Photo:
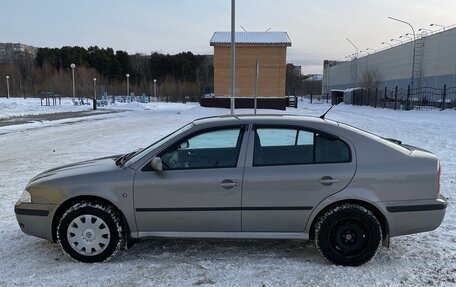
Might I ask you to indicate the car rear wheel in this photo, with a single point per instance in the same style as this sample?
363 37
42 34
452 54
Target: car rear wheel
90 232
348 235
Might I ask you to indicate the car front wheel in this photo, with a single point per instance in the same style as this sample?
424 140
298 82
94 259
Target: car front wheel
90 232
348 235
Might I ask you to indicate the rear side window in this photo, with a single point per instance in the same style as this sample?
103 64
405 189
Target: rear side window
330 149
289 146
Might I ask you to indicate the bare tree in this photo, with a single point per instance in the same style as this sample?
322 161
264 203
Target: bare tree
370 79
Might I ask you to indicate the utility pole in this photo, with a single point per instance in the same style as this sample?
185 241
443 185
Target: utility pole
94 94
233 59
7 87
257 67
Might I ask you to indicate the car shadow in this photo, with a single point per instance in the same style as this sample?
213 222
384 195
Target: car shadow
221 249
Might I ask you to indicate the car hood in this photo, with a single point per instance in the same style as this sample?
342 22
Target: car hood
88 167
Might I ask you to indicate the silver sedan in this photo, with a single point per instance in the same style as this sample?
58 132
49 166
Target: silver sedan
263 177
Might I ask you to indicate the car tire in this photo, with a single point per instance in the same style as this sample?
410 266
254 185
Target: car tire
348 235
90 232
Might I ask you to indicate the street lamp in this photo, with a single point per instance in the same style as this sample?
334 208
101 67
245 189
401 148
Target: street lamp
396 40
400 37
441 26
412 80
357 50
7 86
155 90
72 66
355 64
128 86
370 49
384 43
94 93
424 29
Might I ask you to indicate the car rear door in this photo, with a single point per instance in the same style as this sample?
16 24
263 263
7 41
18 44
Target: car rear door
289 170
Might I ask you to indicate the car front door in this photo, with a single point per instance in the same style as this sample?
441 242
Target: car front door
289 171
199 189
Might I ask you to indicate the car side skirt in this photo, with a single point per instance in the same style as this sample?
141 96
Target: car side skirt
228 235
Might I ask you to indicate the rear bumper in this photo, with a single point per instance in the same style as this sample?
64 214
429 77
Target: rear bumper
35 219
408 217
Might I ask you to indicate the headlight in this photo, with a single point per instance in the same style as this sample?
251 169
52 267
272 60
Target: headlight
25 197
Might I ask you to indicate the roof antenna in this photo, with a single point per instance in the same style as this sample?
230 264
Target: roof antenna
323 115
268 29
243 28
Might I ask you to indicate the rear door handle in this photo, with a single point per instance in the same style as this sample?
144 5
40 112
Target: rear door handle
228 184
327 180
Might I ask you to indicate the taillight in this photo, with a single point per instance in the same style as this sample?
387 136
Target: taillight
438 178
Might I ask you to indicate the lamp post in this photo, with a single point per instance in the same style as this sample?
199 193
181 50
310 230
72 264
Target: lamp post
357 50
441 26
233 55
355 64
94 94
155 90
7 87
72 66
384 43
370 49
257 70
128 87
412 78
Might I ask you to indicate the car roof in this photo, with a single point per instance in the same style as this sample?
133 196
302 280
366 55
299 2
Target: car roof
249 118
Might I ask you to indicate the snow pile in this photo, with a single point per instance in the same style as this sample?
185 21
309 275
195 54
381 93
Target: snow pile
415 260
19 107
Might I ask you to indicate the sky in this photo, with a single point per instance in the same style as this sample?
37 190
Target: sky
318 29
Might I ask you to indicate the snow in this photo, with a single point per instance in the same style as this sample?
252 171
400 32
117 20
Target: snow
28 149
16 107
280 38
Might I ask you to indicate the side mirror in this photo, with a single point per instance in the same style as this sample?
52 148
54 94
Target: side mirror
156 164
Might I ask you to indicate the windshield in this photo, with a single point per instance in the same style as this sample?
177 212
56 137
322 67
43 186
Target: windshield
156 144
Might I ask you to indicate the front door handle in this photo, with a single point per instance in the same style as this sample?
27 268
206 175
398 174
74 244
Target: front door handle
327 180
228 184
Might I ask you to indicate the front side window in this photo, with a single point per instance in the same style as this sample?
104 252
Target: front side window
288 146
209 149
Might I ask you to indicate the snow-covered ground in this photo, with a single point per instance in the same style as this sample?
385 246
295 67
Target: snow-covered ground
18 107
27 149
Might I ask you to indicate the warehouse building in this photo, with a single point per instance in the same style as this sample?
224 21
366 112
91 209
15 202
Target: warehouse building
269 49
427 62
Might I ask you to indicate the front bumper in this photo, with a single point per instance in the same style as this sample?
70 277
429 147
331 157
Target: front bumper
35 219
409 217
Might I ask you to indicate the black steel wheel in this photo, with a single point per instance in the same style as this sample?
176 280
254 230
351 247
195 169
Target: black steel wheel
348 235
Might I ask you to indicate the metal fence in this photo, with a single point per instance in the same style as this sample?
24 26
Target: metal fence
420 98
